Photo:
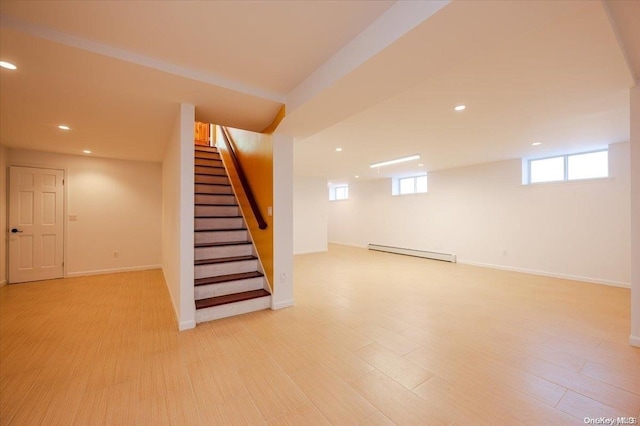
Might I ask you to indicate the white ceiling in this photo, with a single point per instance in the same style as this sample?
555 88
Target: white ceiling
530 71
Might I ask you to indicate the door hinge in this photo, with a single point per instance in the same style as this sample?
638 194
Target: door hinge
63 181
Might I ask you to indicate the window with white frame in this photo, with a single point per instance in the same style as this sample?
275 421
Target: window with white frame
409 185
586 165
338 192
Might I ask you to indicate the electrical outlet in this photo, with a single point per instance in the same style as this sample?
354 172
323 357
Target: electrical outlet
283 278
115 254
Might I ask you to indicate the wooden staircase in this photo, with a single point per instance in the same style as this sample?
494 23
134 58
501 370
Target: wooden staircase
228 276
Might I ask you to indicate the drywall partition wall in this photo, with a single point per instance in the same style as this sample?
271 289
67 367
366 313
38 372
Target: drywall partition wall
177 216
282 296
3 215
635 215
482 214
112 210
310 210
255 154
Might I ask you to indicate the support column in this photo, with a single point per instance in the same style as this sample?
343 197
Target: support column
634 339
282 222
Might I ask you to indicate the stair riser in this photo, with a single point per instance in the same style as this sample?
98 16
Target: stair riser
215 199
220 237
216 211
213 189
218 223
219 252
217 269
231 287
217 171
211 179
231 309
208 162
210 155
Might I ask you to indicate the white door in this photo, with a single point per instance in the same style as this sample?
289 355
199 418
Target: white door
35 224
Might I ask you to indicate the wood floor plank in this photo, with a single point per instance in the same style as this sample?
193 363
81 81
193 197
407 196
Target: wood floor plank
305 415
399 404
581 407
271 389
336 400
595 389
393 365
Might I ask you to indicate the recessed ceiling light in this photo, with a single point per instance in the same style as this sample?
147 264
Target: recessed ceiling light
8 65
420 165
357 176
338 149
397 160
86 151
460 107
63 127
536 143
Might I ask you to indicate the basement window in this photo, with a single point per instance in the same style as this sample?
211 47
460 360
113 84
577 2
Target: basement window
585 165
409 185
338 192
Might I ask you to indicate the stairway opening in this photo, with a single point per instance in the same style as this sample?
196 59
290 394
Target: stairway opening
229 279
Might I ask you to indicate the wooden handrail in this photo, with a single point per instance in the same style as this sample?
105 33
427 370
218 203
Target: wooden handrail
226 139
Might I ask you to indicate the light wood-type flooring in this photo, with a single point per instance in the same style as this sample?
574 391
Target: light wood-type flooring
374 338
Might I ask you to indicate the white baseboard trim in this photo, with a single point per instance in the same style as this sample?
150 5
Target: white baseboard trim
113 271
280 305
310 251
634 340
186 325
548 274
364 246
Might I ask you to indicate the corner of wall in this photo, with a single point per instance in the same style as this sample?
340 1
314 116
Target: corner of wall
283 221
3 214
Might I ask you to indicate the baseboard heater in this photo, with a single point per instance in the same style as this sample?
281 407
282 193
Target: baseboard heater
418 253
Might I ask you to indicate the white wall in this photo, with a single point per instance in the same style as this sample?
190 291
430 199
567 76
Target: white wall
578 230
635 215
117 205
3 213
310 212
177 217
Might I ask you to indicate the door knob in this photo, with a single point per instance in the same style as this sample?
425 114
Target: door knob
15 231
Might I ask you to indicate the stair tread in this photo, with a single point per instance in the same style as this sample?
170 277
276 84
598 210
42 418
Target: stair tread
224 260
220 230
206 148
211 193
226 278
220 205
221 243
213 184
230 298
209 167
235 216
